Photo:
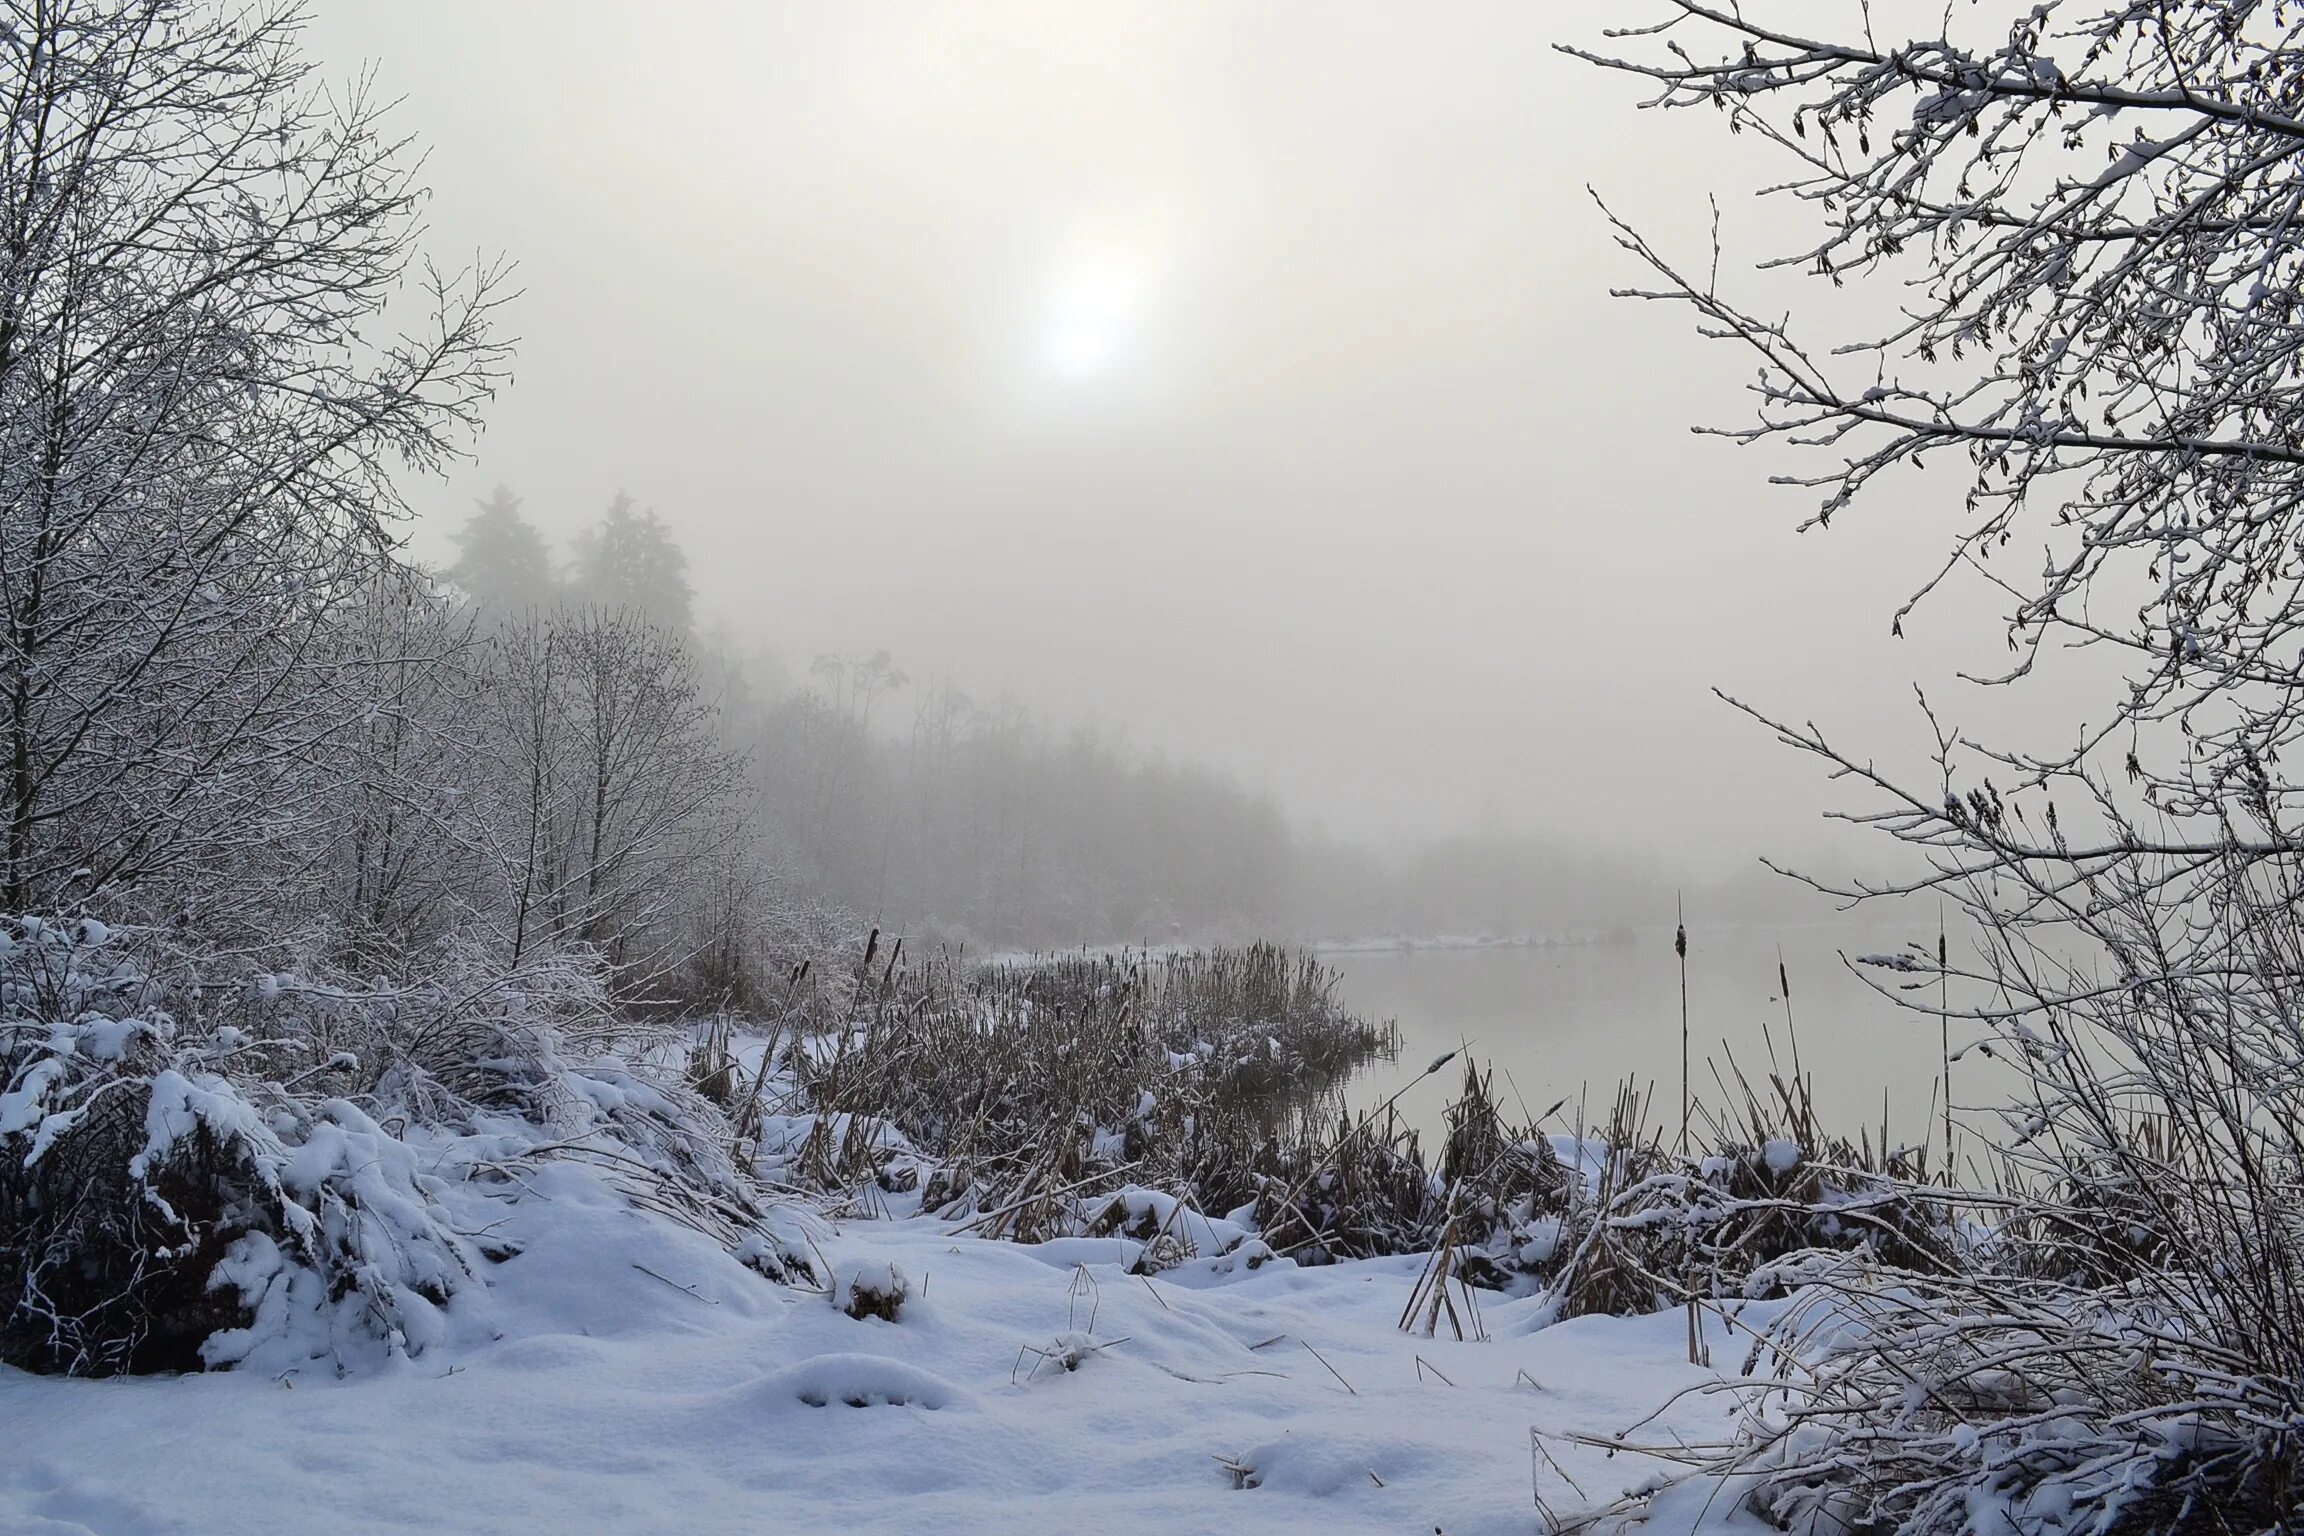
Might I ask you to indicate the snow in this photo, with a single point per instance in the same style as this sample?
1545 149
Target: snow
24 1105
181 1105
624 1373
1542 1242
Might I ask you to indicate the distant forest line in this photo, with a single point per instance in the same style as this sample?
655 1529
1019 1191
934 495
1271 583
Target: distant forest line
908 802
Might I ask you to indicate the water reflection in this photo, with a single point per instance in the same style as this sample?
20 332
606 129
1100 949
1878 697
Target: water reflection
1563 1021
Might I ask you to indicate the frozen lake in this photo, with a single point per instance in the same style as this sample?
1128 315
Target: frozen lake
1559 1021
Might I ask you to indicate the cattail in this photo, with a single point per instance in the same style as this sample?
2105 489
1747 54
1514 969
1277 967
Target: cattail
1680 948
1944 1027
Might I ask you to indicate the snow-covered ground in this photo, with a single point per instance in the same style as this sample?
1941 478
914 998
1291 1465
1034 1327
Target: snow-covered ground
624 1374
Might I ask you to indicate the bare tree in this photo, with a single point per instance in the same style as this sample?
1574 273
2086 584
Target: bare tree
406 839
613 786
2094 227
195 440
2089 220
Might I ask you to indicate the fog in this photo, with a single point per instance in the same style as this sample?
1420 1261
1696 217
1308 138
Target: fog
1242 380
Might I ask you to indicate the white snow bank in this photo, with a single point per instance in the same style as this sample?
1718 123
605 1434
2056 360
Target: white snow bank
623 1374
853 1380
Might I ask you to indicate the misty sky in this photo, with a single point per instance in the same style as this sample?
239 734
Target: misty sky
1240 377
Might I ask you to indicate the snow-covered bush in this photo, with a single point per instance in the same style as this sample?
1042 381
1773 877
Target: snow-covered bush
204 1163
162 1208
1608 1220
2124 1348
1992 1403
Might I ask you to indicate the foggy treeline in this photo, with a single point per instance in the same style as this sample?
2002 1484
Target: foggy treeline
906 801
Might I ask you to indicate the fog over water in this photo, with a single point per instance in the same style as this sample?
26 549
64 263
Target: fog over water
1243 381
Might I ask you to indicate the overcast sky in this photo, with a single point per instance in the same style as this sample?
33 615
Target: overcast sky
1240 376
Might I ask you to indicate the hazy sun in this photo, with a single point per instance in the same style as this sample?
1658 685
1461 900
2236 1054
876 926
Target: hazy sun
1091 317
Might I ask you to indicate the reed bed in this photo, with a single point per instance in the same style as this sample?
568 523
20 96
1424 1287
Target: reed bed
1017 1095
1022 1101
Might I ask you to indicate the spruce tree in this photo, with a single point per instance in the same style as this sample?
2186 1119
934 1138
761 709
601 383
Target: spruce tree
502 560
631 561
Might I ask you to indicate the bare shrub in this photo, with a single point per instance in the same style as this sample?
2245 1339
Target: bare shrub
2081 212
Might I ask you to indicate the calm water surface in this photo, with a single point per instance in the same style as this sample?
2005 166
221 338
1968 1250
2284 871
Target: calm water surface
1560 1021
